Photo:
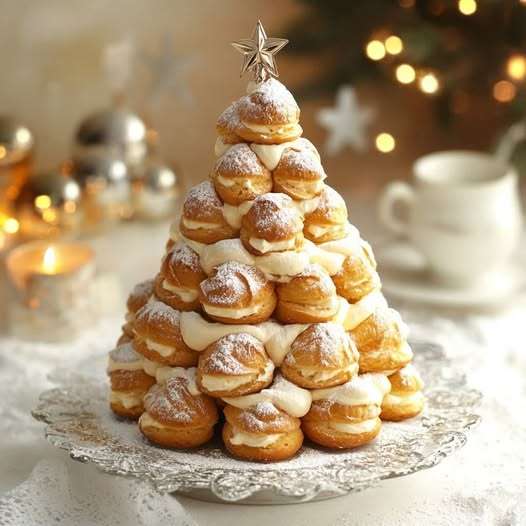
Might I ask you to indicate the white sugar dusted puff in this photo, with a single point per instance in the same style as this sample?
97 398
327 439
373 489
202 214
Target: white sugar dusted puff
237 293
239 175
202 219
138 297
382 342
347 416
273 224
129 383
265 426
177 414
267 115
177 283
234 365
323 355
406 399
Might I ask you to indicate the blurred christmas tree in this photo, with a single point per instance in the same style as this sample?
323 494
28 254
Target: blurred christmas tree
455 51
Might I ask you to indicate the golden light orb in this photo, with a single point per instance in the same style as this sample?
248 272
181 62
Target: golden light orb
3 151
467 7
429 83
42 202
504 91
11 225
405 74
385 142
375 50
516 67
394 45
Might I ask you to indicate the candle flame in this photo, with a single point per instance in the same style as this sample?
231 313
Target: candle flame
50 260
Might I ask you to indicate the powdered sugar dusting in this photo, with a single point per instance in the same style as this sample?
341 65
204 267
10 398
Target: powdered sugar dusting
321 281
330 200
239 161
303 163
182 254
233 282
158 312
202 201
125 354
229 118
142 289
275 212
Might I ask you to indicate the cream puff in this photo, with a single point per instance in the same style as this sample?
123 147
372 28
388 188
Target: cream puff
202 219
138 297
238 294
357 277
239 175
268 115
177 283
323 355
265 426
227 125
129 383
158 336
309 297
299 173
273 224
176 414
347 416
234 365
328 221
406 399
382 342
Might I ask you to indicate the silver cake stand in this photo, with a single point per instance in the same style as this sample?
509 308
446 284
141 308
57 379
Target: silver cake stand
79 421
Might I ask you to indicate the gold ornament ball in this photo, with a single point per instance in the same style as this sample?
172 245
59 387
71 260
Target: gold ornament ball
48 206
106 188
157 193
114 132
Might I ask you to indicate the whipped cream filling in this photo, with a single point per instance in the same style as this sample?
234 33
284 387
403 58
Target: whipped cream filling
265 246
332 262
227 383
331 305
314 373
164 373
194 245
270 154
286 396
163 350
303 189
220 147
242 438
198 225
234 214
306 206
126 398
184 293
229 182
235 314
268 129
405 351
137 365
350 315
150 367
359 427
365 389
146 420
401 398
319 231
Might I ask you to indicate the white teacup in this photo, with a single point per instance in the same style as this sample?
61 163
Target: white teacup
463 214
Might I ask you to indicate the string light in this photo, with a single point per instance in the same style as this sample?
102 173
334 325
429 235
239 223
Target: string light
11 225
42 202
504 91
429 83
385 142
375 50
467 7
516 67
394 45
405 74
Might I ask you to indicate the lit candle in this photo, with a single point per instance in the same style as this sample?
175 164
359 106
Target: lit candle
51 289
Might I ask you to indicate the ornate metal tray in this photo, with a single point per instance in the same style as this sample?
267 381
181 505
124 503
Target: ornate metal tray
80 422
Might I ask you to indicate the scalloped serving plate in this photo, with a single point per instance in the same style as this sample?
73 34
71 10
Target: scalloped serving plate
79 421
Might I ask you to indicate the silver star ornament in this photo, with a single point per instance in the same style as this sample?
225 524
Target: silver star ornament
258 52
346 122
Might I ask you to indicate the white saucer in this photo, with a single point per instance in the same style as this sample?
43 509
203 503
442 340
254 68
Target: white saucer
405 275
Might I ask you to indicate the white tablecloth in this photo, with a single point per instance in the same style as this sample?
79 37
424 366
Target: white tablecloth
484 483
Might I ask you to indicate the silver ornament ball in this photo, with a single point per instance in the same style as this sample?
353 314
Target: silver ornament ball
158 191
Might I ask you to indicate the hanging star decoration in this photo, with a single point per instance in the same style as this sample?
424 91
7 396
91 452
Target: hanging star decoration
167 71
258 52
346 122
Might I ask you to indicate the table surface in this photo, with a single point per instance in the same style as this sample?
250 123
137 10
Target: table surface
483 483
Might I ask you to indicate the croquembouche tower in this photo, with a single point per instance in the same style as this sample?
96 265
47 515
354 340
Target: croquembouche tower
267 306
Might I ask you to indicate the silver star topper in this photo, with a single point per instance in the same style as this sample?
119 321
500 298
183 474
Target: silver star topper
258 52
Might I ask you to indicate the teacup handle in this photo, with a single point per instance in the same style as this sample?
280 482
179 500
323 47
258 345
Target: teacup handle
397 192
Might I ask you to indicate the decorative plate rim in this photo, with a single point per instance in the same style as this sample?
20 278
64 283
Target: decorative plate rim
449 415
